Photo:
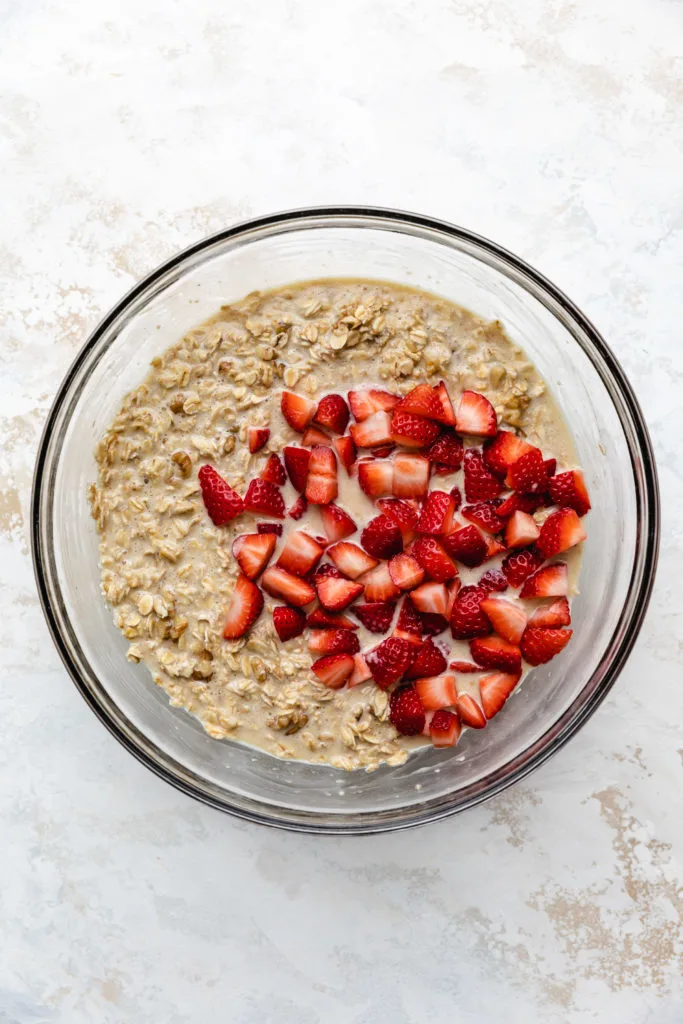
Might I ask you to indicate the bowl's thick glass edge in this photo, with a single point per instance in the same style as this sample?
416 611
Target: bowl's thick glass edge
648 508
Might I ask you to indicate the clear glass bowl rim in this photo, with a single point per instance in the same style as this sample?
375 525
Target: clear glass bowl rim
644 475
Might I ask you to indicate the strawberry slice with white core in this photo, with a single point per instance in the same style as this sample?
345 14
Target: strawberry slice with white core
361 673
333 670
245 607
453 589
434 559
315 436
265 498
346 451
296 464
279 583
540 645
300 553
406 571
470 711
437 692
431 598
321 483
379 585
376 478
373 431
333 641
521 530
257 437
253 551
390 659
320 619
288 622
447 415
550 581
335 594
505 449
552 616
221 501
569 490
561 530
365 403
444 729
332 413
508 619
495 690
411 475
437 513
475 415
376 616
297 410
351 559
337 523
412 431
494 652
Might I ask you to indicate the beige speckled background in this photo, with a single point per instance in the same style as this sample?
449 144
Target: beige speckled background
129 130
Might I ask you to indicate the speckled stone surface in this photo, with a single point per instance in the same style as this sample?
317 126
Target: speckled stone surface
129 130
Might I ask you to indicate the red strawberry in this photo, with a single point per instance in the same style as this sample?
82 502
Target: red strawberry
467 618
475 415
464 666
467 545
320 619
569 490
351 559
437 692
550 467
424 401
480 483
521 530
297 410
361 673
296 464
337 523
540 645
275 528
484 514
404 513
321 485
379 585
314 436
336 594
505 449
376 479
411 475
245 607
346 451
494 652
508 619
288 622
253 551
264 497
445 729
390 659
551 616
327 570
408 626
383 452
412 431
527 474
382 537
406 713
470 712
333 641
432 625
437 513
257 437
453 589
456 496
520 564
333 670
447 412
447 450
279 583
406 571
376 429
493 546
376 616
429 661
434 559
495 690
431 598
550 581
333 413
300 553
221 501
493 581
365 403
298 508
274 471
560 531
520 503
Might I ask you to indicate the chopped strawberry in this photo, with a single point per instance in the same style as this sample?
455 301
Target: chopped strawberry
445 729
275 528
447 416
298 508
376 429
333 670
411 475
484 514
429 661
494 652
274 471
521 530
379 585
320 619
279 583
437 513
404 513
527 474
551 616
521 503
296 464
382 537
550 581
447 451
412 431
453 589
493 581
520 564
475 415
406 571
434 559
423 401
495 690
560 531
470 712
346 451
297 410
437 692
314 436
464 666
550 467
264 497
257 437
333 413
432 624
351 559
508 619
376 479
326 570
480 483
333 641
493 546
321 485
568 490
365 403
300 553
467 618
456 496
408 625
505 449
540 645
220 500
336 594
383 452
431 598
390 660
406 713
245 607
337 523
253 551
361 673
376 616
288 622
467 545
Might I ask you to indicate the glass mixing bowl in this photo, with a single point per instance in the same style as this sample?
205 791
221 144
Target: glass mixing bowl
613 448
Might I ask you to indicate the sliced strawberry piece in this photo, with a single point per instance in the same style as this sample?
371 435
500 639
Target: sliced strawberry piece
406 571
467 545
550 467
470 712
521 530
333 670
484 514
337 523
300 553
365 403
456 496
361 673
257 437
404 513
445 729
408 626
336 594
375 430
493 546
423 401
379 585
551 616
508 619
297 410
493 581
453 589
475 415
390 660
382 537
383 452
568 490
406 713
412 431
527 474
480 483
321 484
447 416
464 666
274 471
327 570
561 531
351 559
333 641
279 583
298 508
495 690
505 449
432 625
265 498
437 514
376 478
520 503
411 475
437 692
434 559
320 619
245 607
520 564
448 451
494 652
429 661
275 528
288 622
346 451
296 464
467 618
376 616
540 645
220 500
332 413
550 581
431 598
315 436
253 551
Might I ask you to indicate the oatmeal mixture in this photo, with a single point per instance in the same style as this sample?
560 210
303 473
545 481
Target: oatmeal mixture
168 571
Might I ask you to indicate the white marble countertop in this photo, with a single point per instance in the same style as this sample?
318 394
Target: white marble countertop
129 130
